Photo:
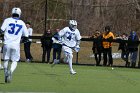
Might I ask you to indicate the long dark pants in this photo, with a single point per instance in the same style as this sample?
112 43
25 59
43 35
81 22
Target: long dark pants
27 50
48 51
97 58
133 58
56 53
124 56
107 56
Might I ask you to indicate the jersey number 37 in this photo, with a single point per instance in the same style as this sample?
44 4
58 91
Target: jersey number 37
15 28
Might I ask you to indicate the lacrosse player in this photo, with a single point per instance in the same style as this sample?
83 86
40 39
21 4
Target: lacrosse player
13 28
70 41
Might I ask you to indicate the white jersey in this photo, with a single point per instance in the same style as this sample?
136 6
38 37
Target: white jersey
13 30
30 32
69 37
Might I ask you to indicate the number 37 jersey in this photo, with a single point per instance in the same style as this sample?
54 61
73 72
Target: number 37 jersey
69 38
13 30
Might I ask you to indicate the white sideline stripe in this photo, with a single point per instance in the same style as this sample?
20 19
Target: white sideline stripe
27 92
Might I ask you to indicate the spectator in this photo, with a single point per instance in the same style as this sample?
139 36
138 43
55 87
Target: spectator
46 42
123 47
1 66
97 47
107 46
57 46
133 48
13 29
28 44
71 40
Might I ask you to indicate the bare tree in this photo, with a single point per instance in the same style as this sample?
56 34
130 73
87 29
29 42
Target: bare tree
121 15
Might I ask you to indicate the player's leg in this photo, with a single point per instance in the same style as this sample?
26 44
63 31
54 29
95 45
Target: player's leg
5 65
6 56
68 54
70 57
15 56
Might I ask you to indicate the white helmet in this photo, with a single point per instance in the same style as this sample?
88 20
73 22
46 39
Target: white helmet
16 11
73 24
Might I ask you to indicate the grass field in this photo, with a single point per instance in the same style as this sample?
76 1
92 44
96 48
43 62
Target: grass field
38 77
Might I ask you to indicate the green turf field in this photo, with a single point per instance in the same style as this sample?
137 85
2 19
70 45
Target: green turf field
37 77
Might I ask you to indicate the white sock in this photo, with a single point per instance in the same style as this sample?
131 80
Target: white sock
70 62
13 66
5 65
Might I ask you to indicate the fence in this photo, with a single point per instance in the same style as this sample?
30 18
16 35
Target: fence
85 55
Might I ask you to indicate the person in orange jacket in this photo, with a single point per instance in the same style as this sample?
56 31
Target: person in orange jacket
107 46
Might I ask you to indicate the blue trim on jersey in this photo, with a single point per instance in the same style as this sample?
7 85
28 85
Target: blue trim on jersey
67 46
71 29
57 37
15 18
66 52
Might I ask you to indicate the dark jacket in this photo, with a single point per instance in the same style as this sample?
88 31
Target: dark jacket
133 42
122 45
46 40
97 44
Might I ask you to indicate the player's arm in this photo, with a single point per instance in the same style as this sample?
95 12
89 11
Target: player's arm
62 32
78 38
78 42
57 36
4 26
1 33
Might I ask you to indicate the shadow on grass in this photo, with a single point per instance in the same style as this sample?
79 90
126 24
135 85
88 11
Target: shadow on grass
2 83
48 74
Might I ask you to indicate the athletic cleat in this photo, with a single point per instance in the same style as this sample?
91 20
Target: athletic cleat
72 72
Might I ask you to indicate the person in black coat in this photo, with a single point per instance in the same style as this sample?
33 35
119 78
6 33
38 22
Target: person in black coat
97 47
46 42
124 48
133 47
